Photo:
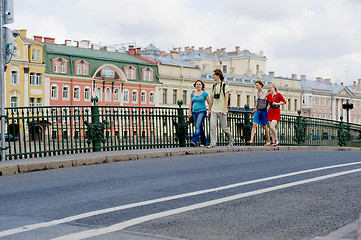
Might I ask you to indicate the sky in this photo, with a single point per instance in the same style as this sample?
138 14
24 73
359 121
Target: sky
316 38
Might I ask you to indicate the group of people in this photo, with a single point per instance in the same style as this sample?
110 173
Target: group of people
218 102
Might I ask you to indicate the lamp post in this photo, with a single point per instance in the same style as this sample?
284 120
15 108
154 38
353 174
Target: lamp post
347 106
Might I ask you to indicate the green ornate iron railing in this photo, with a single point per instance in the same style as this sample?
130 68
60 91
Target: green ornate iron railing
56 130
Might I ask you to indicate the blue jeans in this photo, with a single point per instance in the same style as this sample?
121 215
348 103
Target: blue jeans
199 130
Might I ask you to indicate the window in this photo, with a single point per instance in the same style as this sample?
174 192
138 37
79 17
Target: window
60 65
39 102
54 92
81 67
184 97
257 68
151 97
14 102
32 79
85 69
165 92
76 93
87 93
108 72
289 104
295 105
143 97
148 74
14 77
135 96
39 79
63 67
57 67
224 68
238 100
175 96
248 100
116 94
33 54
78 68
126 95
130 72
32 103
107 95
38 55
65 92
99 93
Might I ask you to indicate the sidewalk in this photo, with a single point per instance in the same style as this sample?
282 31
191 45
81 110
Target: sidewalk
351 231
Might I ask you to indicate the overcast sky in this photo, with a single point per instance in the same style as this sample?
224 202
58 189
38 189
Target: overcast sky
318 38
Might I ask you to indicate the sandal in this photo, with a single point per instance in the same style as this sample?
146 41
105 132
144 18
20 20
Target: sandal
275 144
249 143
268 144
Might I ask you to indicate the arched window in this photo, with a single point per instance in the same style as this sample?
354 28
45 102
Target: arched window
99 93
151 97
143 97
87 93
126 96
116 94
135 96
76 93
130 72
107 95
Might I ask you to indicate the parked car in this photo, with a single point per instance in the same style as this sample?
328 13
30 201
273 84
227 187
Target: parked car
10 137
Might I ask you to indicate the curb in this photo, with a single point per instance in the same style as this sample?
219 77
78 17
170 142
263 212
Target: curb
64 161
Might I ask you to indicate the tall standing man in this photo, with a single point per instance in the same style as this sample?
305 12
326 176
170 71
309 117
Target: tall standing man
218 108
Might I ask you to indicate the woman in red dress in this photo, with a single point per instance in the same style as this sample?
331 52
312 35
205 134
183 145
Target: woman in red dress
275 100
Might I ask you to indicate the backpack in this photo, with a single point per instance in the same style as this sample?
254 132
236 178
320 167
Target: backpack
224 92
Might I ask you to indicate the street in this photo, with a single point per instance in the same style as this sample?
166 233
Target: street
238 195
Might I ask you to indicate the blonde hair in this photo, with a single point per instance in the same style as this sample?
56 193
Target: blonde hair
274 86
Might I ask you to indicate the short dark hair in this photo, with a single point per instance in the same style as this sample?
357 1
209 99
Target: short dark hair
203 86
260 83
219 73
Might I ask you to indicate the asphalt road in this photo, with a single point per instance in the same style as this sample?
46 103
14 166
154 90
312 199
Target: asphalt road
243 195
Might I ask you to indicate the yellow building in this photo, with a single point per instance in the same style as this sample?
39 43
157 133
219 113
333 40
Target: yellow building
24 76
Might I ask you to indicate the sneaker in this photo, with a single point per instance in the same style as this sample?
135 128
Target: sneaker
210 146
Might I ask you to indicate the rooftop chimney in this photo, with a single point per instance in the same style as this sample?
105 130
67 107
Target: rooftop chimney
68 42
131 50
328 80
261 54
49 40
209 50
294 76
237 49
271 74
38 38
245 52
201 49
162 53
319 79
303 77
22 33
174 54
139 51
354 85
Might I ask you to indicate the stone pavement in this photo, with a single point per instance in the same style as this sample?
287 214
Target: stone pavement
351 231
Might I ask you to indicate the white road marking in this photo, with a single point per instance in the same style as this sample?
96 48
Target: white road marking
143 203
135 221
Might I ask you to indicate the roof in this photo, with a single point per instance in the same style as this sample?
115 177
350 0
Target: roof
92 53
322 86
168 60
196 54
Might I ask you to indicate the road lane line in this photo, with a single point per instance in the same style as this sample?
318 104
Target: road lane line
164 199
135 221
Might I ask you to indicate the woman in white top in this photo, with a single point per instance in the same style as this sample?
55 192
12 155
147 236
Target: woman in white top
259 116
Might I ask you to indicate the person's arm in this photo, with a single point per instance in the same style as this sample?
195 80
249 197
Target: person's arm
210 104
281 98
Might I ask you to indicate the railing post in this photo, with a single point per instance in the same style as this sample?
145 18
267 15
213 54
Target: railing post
95 128
247 127
300 129
181 126
341 134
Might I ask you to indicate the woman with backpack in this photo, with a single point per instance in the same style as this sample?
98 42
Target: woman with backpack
275 100
260 113
218 109
198 110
